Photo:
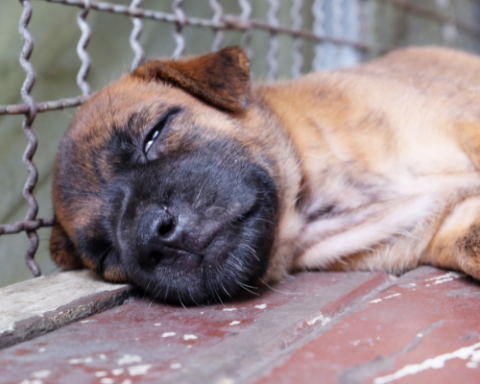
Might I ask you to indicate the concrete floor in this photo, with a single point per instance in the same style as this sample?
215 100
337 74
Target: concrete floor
315 328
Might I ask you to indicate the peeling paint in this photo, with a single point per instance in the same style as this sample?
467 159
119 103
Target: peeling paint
101 373
168 334
375 301
107 380
41 350
229 309
129 359
36 381
157 324
102 356
395 295
261 306
444 278
85 360
323 319
139 369
435 363
117 371
127 381
235 322
175 365
190 337
41 374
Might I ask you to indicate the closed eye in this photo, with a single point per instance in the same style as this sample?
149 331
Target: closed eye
162 123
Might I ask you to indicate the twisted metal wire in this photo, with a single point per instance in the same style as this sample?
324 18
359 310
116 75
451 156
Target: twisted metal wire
229 22
27 128
297 19
21 109
217 18
272 56
244 17
81 48
135 35
180 22
317 10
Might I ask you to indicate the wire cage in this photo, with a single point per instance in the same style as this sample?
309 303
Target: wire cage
283 38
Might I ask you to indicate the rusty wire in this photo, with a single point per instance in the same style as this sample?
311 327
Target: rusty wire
219 23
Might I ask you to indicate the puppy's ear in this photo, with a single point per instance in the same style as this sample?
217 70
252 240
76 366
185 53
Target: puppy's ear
62 250
221 78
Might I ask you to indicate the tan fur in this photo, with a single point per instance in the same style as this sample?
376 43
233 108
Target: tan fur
393 146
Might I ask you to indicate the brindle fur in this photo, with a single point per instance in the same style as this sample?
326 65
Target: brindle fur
370 168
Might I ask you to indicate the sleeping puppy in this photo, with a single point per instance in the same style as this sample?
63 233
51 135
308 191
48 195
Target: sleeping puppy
186 180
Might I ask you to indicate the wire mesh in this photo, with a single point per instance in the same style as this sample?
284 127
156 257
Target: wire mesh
328 25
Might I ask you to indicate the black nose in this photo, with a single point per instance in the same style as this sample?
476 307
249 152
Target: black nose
163 237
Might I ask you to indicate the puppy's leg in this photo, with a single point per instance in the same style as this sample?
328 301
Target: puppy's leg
457 243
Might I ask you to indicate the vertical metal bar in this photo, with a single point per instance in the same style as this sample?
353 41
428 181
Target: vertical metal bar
177 9
449 29
318 14
272 56
247 36
135 35
82 44
217 17
27 128
337 31
296 15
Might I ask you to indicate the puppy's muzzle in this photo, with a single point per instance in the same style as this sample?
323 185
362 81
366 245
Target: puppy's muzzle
167 236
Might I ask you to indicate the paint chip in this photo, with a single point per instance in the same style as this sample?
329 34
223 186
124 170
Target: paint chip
234 322
157 324
102 356
229 309
36 381
41 374
190 337
127 381
80 361
261 306
394 295
175 366
107 380
139 369
101 373
117 371
88 321
323 319
436 362
471 364
168 334
43 349
375 301
129 359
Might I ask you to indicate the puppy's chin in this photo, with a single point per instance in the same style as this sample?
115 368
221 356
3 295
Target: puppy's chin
201 279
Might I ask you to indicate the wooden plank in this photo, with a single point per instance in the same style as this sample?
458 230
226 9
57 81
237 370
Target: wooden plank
40 305
145 341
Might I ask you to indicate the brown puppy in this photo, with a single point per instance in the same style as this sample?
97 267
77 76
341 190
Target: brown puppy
183 179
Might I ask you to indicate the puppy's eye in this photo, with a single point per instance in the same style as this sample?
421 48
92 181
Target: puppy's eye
157 129
150 142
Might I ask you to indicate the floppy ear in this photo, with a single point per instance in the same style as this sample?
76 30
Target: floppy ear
221 78
62 250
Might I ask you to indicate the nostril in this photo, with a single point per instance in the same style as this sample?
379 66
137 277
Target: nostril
166 226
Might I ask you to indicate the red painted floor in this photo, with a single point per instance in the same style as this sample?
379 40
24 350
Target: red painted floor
314 328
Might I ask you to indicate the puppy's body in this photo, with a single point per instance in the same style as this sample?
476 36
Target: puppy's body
374 167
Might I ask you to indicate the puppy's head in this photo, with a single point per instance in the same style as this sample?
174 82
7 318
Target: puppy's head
157 183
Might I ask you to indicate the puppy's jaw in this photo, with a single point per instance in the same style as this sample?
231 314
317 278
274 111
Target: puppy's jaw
203 170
